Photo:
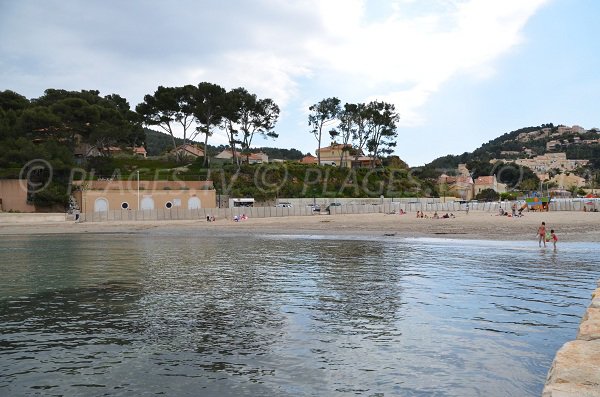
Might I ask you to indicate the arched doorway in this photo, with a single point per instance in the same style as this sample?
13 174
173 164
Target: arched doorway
101 205
147 203
194 203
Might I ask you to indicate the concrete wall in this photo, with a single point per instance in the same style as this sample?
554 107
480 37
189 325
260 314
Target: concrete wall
43 218
13 194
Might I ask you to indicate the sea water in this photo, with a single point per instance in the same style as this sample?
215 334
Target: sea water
178 313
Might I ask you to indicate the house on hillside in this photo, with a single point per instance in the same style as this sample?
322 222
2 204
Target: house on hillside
188 150
335 154
456 186
488 182
341 155
252 158
140 151
85 150
309 159
363 162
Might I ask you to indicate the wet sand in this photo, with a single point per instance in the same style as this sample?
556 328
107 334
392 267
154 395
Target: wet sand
569 226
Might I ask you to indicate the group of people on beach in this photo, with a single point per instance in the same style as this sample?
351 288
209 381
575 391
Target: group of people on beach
544 236
422 214
239 218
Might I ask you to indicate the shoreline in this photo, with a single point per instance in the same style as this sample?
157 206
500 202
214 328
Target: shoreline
569 226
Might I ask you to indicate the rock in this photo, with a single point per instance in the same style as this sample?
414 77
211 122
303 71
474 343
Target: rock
575 371
590 325
596 298
568 390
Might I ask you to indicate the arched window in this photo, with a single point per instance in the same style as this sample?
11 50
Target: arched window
147 203
194 203
101 205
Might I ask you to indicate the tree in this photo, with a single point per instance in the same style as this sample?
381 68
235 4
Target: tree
39 121
321 114
261 120
234 101
382 129
168 106
12 106
479 168
515 176
208 110
361 134
77 117
10 100
488 195
130 122
346 128
248 115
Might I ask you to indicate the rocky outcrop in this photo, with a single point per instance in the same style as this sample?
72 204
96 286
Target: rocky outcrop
575 371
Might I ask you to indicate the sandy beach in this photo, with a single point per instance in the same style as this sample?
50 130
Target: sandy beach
569 226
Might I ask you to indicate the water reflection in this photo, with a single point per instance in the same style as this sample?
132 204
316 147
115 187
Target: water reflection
166 312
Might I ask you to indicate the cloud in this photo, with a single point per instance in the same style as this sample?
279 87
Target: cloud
406 56
296 52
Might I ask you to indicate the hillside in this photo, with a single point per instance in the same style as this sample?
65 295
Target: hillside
577 142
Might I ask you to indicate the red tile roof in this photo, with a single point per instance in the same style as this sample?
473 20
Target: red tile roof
485 180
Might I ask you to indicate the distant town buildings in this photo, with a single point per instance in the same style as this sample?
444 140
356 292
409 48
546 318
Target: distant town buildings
567 181
464 187
543 164
558 132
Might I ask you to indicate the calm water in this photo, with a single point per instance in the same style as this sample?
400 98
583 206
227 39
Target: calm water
174 314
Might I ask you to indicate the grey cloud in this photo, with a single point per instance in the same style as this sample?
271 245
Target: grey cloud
61 41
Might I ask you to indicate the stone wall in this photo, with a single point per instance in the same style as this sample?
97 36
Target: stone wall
575 371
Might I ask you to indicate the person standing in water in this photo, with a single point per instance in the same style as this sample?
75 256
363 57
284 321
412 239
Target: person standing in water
553 238
542 234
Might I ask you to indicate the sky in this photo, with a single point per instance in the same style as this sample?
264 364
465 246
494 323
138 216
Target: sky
459 72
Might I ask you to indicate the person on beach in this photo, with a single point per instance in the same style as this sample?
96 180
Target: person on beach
542 234
553 238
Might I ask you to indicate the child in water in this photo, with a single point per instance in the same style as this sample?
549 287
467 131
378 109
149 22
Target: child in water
553 238
542 234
